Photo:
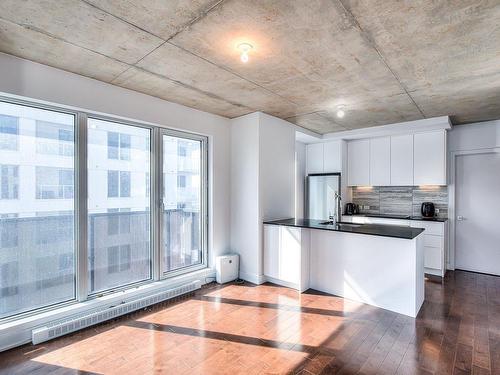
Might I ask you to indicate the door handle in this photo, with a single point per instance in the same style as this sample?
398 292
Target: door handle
460 218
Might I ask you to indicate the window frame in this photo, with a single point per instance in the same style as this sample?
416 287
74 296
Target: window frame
76 198
80 209
152 198
204 214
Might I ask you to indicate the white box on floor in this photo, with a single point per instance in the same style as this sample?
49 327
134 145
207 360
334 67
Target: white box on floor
227 268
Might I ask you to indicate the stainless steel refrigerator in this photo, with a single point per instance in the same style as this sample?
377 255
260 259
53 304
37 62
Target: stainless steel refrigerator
320 195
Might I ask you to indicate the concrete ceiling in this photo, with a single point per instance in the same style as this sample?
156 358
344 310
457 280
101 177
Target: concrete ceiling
385 61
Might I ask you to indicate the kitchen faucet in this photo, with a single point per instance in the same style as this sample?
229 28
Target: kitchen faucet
337 198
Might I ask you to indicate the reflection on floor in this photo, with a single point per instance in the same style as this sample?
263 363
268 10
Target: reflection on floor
268 329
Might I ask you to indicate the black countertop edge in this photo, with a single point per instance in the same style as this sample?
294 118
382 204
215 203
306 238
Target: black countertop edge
402 217
393 231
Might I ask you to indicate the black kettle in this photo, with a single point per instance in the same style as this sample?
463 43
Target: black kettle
428 210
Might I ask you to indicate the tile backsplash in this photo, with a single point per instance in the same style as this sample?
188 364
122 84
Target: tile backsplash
400 200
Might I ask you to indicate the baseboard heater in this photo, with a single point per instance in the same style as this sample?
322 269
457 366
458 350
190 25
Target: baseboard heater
76 322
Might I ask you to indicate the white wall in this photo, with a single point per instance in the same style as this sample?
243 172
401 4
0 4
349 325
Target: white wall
464 139
277 168
300 178
35 81
245 227
262 184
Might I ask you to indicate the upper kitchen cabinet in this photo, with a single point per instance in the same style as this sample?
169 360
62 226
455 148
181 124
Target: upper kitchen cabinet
402 160
332 157
429 166
314 158
380 161
324 157
358 162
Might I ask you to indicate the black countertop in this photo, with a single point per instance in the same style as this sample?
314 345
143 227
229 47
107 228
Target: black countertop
403 217
394 231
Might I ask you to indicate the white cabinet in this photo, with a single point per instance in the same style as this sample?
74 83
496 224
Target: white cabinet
435 246
324 157
380 161
430 158
435 239
314 158
332 157
286 256
358 162
402 160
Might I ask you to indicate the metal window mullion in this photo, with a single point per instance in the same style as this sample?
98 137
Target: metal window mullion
155 203
81 209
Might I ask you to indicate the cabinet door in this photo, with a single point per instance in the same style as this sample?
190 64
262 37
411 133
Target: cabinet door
332 157
272 246
290 254
314 158
380 161
402 160
430 158
358 162
433 251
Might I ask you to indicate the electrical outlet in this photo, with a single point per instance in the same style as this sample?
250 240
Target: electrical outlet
437 210
366 207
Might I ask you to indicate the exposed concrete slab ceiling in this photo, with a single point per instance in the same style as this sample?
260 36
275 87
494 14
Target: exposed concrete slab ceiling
385 61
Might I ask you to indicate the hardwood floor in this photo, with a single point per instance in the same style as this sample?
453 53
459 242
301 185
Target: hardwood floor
268 329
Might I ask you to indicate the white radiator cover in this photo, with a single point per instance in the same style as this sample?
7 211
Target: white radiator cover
74 323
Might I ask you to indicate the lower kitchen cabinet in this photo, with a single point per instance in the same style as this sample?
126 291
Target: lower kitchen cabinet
435 246
435 239
286 256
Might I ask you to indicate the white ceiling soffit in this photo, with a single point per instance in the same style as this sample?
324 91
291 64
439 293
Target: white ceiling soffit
408 127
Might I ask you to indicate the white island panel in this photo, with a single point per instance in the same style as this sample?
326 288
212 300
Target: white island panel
381 271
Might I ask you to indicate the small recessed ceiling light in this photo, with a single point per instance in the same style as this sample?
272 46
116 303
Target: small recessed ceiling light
340 113
244 49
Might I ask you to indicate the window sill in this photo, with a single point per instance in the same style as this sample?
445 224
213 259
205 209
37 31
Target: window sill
18 332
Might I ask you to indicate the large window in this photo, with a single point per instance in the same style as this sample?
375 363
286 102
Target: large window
118 205
87 195
35 235
183 201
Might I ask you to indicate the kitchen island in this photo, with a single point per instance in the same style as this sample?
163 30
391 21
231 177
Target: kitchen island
381 265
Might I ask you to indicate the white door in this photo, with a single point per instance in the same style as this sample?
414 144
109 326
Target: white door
477 234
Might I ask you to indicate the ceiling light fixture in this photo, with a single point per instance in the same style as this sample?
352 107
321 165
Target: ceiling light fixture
244 49
340 112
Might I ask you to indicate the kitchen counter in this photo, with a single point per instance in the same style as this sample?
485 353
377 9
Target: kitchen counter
394 231
381 265
403 217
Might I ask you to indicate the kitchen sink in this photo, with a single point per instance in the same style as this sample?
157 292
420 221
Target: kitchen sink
340 225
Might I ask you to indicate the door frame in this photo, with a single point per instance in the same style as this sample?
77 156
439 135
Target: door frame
452 197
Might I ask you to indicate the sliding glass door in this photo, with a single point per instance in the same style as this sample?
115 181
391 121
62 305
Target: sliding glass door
119 233
183 187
